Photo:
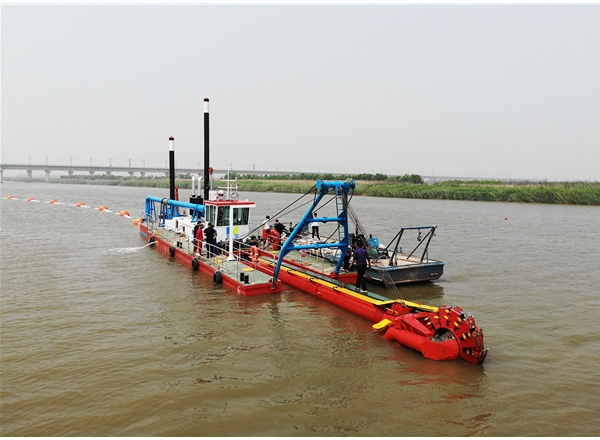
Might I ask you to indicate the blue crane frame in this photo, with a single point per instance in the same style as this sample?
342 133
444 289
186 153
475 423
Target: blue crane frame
340 189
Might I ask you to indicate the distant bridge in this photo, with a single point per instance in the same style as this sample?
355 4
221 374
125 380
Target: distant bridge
70 169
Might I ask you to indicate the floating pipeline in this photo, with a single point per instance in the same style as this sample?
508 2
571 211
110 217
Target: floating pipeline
102 208
439 333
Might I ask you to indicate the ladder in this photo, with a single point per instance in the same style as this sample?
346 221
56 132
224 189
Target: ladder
385 276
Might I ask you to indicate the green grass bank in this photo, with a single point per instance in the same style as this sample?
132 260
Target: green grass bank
571 193
556 193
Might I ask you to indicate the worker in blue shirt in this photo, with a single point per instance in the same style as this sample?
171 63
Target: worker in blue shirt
360 259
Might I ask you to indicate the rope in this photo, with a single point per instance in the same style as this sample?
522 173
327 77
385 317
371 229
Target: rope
385 276
279 213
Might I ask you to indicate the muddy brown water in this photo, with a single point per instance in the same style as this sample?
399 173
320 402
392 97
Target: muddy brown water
101 336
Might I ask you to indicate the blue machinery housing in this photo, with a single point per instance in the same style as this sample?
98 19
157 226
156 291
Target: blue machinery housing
340 189
159 210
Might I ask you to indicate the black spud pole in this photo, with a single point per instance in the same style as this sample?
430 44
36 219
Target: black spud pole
206 150
172 167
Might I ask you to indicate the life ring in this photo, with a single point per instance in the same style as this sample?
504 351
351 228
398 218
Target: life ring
195 264
172 251
254 254
217 277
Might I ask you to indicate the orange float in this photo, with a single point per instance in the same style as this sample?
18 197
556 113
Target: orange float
103 208
79 204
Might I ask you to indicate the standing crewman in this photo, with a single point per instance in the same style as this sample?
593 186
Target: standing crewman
315 227
265 230
210 235
199 239
194 236
279 227
274 238
361 259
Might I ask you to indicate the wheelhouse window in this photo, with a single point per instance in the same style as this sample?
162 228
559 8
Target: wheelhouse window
211 213
241 216
219 215
223 216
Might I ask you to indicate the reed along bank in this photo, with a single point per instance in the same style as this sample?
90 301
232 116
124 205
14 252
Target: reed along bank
565 193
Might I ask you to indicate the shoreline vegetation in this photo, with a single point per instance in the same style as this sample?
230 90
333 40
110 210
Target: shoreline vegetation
378 185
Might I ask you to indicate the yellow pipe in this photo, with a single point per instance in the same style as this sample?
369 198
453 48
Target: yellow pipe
338 288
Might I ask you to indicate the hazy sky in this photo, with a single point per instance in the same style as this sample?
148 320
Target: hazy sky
455 90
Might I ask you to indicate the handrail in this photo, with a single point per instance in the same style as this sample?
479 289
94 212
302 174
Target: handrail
397 238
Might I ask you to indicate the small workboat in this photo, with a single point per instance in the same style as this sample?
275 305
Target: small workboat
395 264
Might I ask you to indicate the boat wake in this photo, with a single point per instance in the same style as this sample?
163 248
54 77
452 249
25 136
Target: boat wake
126 250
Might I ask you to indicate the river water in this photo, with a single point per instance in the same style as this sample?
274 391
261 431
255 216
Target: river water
101 336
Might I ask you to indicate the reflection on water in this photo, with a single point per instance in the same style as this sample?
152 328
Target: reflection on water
102 336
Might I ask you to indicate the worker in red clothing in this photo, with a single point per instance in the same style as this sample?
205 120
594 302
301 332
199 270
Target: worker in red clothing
274 238
199 240
265 230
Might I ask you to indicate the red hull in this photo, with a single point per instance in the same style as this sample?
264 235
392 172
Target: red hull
202 266
439 333
346 278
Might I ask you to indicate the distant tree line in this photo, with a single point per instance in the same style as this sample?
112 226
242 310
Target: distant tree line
407 178
380 185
